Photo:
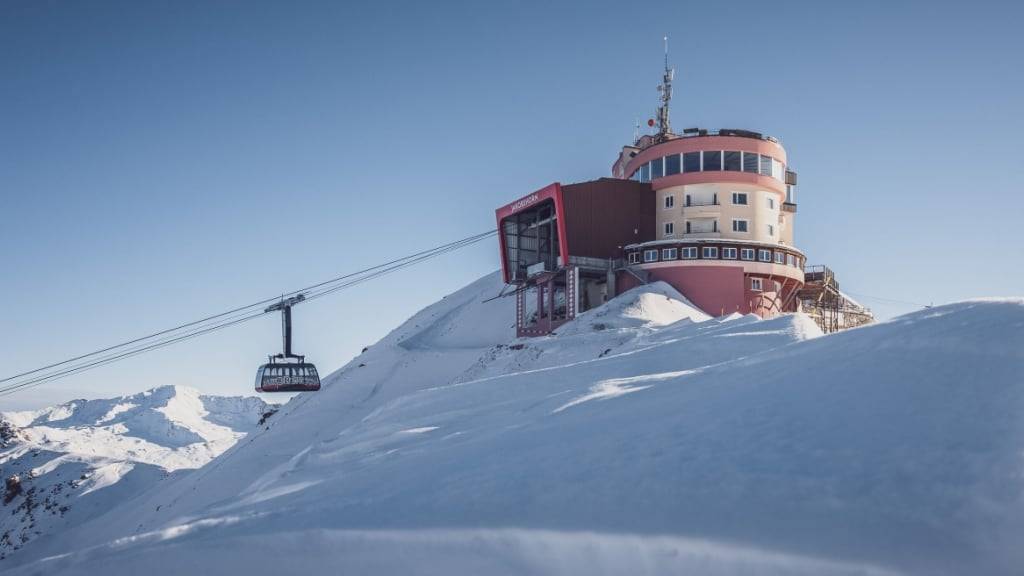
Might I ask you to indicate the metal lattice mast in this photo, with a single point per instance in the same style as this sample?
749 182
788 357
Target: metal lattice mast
664 125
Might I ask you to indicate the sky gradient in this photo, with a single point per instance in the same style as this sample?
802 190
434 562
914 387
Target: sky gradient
162 161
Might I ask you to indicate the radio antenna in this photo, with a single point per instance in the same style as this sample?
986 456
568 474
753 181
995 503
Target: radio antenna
664 124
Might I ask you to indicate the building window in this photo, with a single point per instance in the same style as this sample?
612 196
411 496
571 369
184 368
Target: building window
791 260
739 225
634 257
650 255
778 170
737 198
780 258
750 162
668 254
764 255
689 253
691 162
755 284
766 165
729 253
671 164
746 254
778 286
689 200
771 230
645 173
657 168
670 228
670 201
771 203
712 160
732 161
709 252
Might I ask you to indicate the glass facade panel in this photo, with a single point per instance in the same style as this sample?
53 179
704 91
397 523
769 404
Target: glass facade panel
657 168
732 161
671 164
691 162
712 160
766 165
645 173
750 162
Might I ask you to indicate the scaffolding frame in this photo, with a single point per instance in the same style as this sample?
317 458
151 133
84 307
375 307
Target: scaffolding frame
821 299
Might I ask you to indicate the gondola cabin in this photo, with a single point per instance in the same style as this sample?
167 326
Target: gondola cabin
281 377
287 372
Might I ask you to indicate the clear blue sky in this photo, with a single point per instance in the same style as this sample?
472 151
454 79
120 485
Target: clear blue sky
160 161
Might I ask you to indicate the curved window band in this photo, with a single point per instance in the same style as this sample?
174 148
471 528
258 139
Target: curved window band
720 161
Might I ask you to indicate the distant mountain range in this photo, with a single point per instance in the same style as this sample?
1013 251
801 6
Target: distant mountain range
68 463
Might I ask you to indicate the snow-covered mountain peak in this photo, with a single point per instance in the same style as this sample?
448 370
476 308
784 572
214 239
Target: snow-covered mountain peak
168 416
78 457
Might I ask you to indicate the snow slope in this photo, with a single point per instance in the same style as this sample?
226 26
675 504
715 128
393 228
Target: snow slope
74 461
651 441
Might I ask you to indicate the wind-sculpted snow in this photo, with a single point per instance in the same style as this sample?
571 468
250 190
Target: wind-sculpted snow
642 446
72 462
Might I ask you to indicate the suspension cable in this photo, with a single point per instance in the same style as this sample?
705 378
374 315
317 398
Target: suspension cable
221 320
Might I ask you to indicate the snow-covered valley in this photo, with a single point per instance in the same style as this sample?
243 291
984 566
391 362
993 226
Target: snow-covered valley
66 464
643 438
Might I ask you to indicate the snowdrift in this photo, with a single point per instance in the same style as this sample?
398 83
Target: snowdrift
642 439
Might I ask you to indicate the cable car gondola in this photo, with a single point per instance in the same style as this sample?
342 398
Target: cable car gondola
282 374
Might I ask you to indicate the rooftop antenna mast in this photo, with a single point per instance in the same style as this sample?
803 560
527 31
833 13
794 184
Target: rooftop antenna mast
664 126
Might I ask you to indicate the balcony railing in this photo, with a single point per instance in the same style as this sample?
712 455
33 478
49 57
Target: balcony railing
789 207
710 203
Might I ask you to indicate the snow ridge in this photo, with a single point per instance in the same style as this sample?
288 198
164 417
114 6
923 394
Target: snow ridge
642 438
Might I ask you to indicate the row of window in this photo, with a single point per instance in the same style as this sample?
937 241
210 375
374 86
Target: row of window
302 370
738 198
741 225
716 253
711 161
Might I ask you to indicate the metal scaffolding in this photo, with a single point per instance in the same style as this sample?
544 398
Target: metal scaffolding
821 299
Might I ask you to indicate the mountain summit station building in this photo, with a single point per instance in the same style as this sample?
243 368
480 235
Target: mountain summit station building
712 213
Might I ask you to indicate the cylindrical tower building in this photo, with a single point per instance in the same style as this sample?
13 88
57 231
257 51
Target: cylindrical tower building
724 219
